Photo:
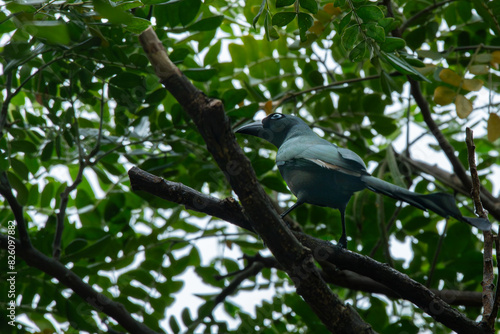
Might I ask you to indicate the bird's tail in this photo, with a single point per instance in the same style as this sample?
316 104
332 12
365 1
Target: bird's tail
441 203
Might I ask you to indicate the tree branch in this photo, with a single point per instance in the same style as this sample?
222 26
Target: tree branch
370 280
17 210
424 11
215 128
227 209
488 275
100 302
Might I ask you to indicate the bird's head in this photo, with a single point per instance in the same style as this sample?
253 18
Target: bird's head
274 128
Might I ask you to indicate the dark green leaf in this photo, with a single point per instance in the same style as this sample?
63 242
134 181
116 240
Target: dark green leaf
200 74
271 33
283 18
401 65
20 188
375 31
310 5
47 195
112 13
188 10
210 23
55 32
359 52
392 43
232 97
174 325
23 146
127 80
350 36
261 10
284 3
345 22
370 13
305 22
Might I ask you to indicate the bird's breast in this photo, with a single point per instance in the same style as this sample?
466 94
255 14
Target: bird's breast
317 185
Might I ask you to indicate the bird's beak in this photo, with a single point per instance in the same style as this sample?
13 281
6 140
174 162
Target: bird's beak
253 129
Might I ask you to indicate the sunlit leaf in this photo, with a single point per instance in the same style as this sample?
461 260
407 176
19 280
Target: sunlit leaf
472 84
444 95
450 77
463 106
493 127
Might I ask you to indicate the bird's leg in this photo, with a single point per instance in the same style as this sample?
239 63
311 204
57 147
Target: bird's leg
290 209
343 238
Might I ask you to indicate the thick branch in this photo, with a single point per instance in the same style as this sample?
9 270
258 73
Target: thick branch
215 128
100 302
354 277
227 209
402 284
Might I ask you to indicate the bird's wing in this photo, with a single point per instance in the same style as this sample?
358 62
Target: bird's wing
324 154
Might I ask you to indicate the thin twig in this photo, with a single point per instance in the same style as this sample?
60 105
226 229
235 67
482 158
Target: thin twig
494 311
488 275
424 11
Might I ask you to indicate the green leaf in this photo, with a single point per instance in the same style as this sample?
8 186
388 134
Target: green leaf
127 80
19 187
375 31
345 22
23 146
232 97
75 245
349 37
402 66
114 14
392 44
174 325
305 22
310 5
397 178
47 195
271 33
137 25
274 182
283 18
415 38
370 13
359 52
284 3
200 74
55 32
213 53
207 24
188 10
261 10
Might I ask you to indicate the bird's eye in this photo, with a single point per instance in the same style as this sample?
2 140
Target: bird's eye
277 116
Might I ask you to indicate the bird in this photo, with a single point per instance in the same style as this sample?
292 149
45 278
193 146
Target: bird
321 173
